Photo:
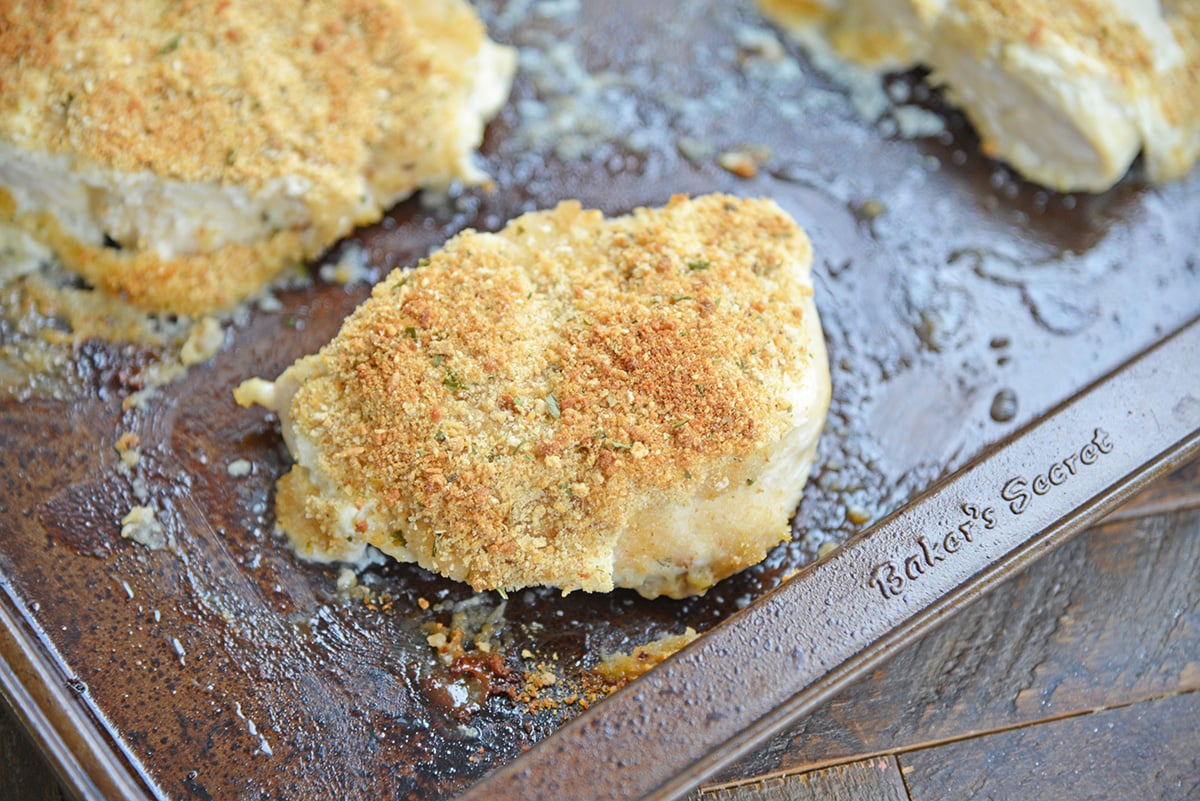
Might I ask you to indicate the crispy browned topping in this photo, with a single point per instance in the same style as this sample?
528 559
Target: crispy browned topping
1181 91
796 12
360 101
499 405
1144 81
1092 25
233 91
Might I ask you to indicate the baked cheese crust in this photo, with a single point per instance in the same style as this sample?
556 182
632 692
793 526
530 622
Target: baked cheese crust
572 402
183 153
1069 93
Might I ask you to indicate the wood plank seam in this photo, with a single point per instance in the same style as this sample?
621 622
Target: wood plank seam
897 753
869 778
908 793
1135 511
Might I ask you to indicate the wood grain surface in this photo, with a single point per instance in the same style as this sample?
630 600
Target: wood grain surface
24 774
1110 619
1076 679
1147 750
877 779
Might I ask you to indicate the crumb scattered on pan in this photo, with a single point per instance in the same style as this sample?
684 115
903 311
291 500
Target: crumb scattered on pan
618 669
352 267
742 163
203 341
141 525
857 515
239 468
873 207
127 448
474 625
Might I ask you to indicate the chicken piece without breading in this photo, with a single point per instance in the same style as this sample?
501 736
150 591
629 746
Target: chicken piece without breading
183 154
1068 93
572 402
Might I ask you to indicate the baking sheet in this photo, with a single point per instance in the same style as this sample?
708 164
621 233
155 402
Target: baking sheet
958 302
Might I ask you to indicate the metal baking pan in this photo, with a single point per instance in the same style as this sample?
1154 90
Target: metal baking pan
961 306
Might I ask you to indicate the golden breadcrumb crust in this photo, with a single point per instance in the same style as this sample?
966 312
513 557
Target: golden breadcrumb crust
1122 49
1181 87
499 412
1116 46
1091 24
353 97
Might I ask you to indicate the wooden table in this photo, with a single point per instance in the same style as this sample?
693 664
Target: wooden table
1075 680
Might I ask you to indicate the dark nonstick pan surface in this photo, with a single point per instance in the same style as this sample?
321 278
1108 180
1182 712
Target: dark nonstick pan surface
959 303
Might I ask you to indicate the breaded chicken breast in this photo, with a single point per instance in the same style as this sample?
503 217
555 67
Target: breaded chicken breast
571 402
182 154
1068 93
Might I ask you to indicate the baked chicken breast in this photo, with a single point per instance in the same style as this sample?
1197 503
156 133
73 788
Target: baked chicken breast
182 154
571 402
1068 93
